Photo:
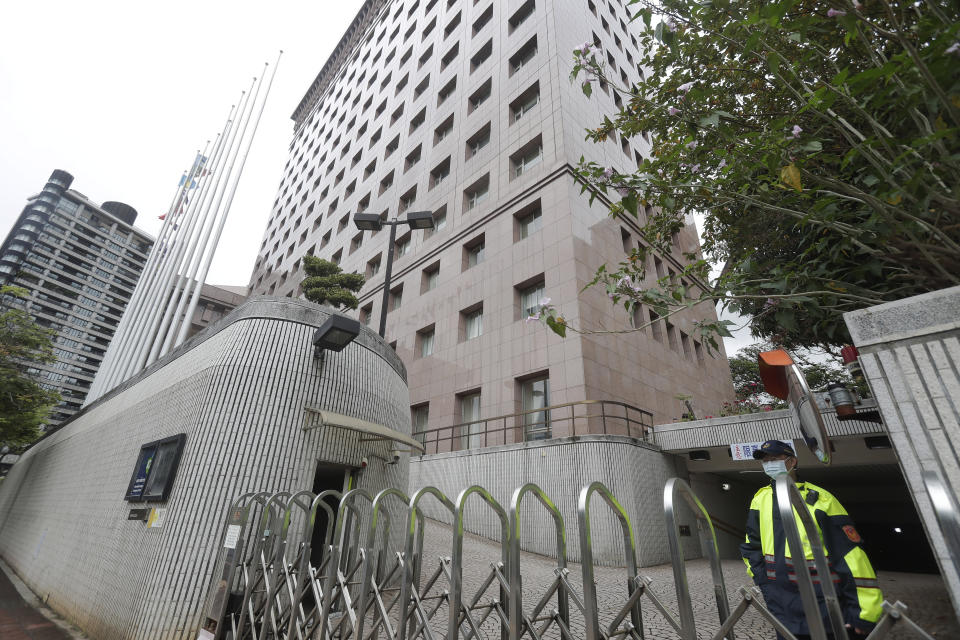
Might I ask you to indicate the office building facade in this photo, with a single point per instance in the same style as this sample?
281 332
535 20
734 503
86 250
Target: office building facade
466 110
79 261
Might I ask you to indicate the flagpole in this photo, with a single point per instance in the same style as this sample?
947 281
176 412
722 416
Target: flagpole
180 286
223 219
161 305
164 264
106 369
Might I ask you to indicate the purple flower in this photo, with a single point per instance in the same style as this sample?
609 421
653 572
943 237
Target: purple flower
533 317
670 24
585 49
836 13
797 131
722 164
857 4
954 48
673 111
623 191
608 173
545 302
692 144
695 168
686 86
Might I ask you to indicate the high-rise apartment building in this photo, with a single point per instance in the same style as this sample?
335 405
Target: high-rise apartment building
79 261
466 109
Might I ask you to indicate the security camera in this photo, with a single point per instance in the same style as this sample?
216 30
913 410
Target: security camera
395 456
363 463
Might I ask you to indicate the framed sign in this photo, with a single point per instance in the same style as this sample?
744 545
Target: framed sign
155 470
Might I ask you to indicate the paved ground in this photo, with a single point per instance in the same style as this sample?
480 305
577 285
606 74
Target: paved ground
21 621
928 602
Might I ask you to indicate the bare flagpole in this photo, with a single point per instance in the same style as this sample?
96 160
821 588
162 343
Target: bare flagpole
163 292
216 240
106 370
173 240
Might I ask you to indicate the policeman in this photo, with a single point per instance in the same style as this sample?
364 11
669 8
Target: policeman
772 568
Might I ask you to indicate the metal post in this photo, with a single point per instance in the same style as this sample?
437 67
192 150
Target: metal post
790 502
386 278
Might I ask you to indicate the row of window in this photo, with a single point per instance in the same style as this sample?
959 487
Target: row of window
533 396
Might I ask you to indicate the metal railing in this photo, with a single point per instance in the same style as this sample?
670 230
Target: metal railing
267 583
585 417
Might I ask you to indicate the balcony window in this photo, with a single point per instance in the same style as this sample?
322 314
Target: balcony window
534 395
472 432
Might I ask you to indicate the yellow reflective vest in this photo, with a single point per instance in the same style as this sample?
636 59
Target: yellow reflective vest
771 564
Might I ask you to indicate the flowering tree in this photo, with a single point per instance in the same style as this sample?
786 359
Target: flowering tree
818 140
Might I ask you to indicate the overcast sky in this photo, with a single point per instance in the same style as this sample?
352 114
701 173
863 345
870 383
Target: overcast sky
123 94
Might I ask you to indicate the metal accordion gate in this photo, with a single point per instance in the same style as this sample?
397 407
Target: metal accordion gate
269 582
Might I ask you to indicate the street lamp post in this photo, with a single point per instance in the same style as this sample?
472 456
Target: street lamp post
373 222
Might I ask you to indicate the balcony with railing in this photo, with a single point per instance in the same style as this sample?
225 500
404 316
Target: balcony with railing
586 417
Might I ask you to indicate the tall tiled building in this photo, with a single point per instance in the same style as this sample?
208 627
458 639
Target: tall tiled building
466 109
79 261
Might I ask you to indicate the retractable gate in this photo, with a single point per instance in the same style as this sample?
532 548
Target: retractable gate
271 584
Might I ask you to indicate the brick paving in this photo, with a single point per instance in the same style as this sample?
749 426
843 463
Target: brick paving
927 599
20 621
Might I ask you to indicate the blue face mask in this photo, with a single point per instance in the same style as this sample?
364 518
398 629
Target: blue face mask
774 468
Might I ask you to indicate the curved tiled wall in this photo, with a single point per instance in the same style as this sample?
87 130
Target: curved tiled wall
237 390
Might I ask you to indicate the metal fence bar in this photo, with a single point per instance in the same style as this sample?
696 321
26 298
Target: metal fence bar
351 594
789 502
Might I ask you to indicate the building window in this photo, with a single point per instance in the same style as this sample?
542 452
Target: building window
672 337
478 141
480 96
534 398
425 341
403 244
472 321
356 242
366 313
655 327
523 57
529 221
396 297
476 193
474 252
449 57
444 130
430 278
407 199
520 15
471 429
525 102
481 56
440 219
373 267
530 296
412 158
440 173
419 416
530 155
483 20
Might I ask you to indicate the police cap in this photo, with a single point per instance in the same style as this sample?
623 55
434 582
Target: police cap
774 448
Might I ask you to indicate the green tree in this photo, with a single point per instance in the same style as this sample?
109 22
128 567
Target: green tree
24 404
327 284
819 141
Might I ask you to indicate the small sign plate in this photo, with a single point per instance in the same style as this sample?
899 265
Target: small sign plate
233 535
138 514
157 518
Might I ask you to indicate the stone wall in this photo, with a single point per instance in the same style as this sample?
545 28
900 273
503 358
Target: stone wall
910 354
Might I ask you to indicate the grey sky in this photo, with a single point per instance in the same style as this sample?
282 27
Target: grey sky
123 94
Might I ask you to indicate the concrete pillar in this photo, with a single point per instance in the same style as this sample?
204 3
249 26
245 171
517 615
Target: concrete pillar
910 353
